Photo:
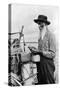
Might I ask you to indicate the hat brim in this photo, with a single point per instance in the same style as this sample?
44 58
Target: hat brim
39 21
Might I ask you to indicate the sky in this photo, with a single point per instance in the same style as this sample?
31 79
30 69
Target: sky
23 14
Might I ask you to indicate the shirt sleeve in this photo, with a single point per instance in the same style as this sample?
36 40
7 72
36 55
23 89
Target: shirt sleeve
52 43
52 47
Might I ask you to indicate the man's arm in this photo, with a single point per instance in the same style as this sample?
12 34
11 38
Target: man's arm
51 47
48 54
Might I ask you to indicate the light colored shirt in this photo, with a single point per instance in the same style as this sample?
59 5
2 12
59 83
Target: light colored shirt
47 45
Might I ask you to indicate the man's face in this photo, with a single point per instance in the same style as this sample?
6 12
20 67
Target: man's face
41 26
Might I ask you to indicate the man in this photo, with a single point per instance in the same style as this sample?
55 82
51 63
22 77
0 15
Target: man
46 50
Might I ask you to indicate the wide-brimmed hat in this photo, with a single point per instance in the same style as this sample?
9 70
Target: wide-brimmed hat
42 18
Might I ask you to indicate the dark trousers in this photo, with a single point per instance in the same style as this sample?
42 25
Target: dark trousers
42 77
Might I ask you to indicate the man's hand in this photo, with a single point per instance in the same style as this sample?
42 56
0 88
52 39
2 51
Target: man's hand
34 50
